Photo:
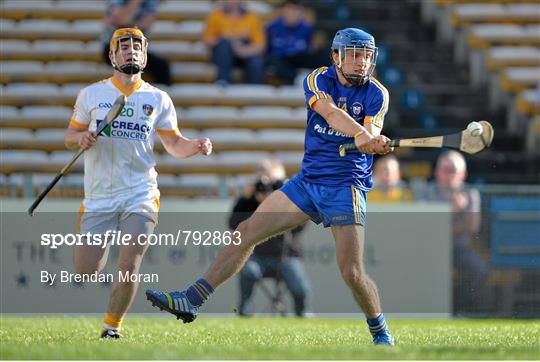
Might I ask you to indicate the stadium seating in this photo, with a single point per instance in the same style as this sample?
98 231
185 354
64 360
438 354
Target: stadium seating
183 95
500 41
189 185
225 163
19 94
59 115
511 81
181 50
528 102
50 49
16 138
518 79
503 43
501 57
20 161
46 50
521 115
533 135
87 30
53 72
466 14
485 35
225 139
81 10
196 117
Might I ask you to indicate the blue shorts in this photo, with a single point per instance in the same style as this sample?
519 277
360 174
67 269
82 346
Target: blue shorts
331 205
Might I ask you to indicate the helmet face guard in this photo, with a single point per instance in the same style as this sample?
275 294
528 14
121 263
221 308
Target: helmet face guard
356 48
128 47
357 56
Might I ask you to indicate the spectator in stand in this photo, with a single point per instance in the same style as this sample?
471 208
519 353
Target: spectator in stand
290 43
140 14
470 269
235 36
388 186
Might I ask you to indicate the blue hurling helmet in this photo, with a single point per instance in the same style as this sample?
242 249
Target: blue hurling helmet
353 39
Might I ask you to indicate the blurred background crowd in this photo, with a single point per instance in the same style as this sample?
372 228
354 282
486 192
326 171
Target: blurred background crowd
234 71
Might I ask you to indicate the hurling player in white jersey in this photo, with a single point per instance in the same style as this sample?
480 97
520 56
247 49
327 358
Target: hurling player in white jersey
120 185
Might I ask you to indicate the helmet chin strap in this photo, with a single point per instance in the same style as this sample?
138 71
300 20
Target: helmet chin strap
353 79
130 68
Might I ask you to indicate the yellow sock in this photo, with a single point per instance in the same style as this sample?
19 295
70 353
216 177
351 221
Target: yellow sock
111 321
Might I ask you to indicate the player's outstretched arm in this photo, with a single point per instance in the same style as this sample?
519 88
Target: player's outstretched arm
181 147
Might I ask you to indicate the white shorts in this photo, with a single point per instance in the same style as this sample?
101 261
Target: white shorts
99 215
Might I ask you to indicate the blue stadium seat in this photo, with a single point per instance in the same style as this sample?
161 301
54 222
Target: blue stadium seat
508 214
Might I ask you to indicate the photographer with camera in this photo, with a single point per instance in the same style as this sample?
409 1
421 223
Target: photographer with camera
281 256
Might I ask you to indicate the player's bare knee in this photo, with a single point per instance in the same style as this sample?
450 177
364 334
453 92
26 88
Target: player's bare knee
352 274
242 228
245 230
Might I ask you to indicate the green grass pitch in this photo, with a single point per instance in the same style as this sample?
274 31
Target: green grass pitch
266 338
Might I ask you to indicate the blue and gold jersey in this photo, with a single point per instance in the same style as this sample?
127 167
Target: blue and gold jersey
365 104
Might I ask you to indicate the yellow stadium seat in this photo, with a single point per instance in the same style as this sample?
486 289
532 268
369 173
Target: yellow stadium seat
528 102
485 35
16 139
512 56
181 50
518 79
466 14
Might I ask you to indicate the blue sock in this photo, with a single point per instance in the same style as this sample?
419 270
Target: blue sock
376 325
199 292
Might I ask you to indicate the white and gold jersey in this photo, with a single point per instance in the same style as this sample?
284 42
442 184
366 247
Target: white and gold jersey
122 160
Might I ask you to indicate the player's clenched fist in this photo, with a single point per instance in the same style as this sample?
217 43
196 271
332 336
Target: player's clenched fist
86 140
378 145
205 146
381 145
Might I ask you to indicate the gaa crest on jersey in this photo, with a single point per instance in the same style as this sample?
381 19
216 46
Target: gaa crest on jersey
147 109
357 109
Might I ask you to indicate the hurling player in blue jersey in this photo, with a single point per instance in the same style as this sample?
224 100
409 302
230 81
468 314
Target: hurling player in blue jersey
344 101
